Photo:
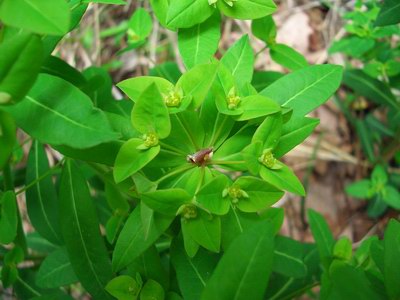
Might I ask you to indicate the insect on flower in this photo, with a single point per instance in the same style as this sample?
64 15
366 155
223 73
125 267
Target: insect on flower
200 157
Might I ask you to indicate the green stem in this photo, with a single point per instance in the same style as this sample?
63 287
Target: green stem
172 148
174 172
216 133
189 134
226 162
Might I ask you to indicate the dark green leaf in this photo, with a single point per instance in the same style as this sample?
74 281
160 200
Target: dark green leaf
8 217
389 14
288 258
391 254
7 137
166 201
123 287
152 290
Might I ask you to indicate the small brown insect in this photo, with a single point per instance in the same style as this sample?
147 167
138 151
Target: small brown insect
200 157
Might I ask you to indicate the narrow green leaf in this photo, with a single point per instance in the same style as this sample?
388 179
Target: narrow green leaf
257 106
192 273
41 199
150 114
130 159
118 2
199 43
8 138
288 57
46 114
80 228
322 235
8 217
288 258
389 14
239 60
132 241
166 201
269 132
211 196
237 275
305 89
56 270
391 270
283 178
40 16
20 61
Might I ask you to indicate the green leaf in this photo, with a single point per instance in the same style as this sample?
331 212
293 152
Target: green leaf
160 9
8 138
247 9
199 43
237 275
38 16
262 79
46 115
305 89
239 59
251 154
283 178
288 57
150 114
353 46
256 106
366 139
20 61
261 195
123 287
205 230
56 270
118 2
288 258
132 241
392 197
389 13
186 13
192 273
80 228
343 249
166 201
8 217
269 132
197 82
359 189
130 159
322 235
294 132
370 88
41 198
152 290
210 196
139 25
264 29
391 271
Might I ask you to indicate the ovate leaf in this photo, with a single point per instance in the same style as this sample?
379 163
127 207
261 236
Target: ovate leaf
305 89
238 273
46 114
247 9
199 43
186 13
80 228
41 198
288 57
40 16
283 178
166 201
123 287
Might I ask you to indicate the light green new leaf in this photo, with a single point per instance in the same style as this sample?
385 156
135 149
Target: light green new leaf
353 46
306 89
132 241
130 159
256 106
264 29
20 61
152 290
197 82
269 132
8 138
199 43
133 87
80 228
370 88
389 14
210 196
118 2
251 154
239 60
247 9
56 112
192 273
392 197
123 287
322 235
8 217
391 270
150 114
39 16
360 189
139 25
41 198
295 131
283 178
56 270
186 13
166 201
205 230
238 273
288 57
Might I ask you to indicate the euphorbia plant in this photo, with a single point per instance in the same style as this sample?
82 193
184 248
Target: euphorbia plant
180 178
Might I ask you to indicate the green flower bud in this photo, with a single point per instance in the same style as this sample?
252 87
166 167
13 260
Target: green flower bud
173 98
235 193
150 140
232 99
188 211
268 159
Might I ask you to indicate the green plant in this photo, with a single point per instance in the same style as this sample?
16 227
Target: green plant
180 180
372 107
